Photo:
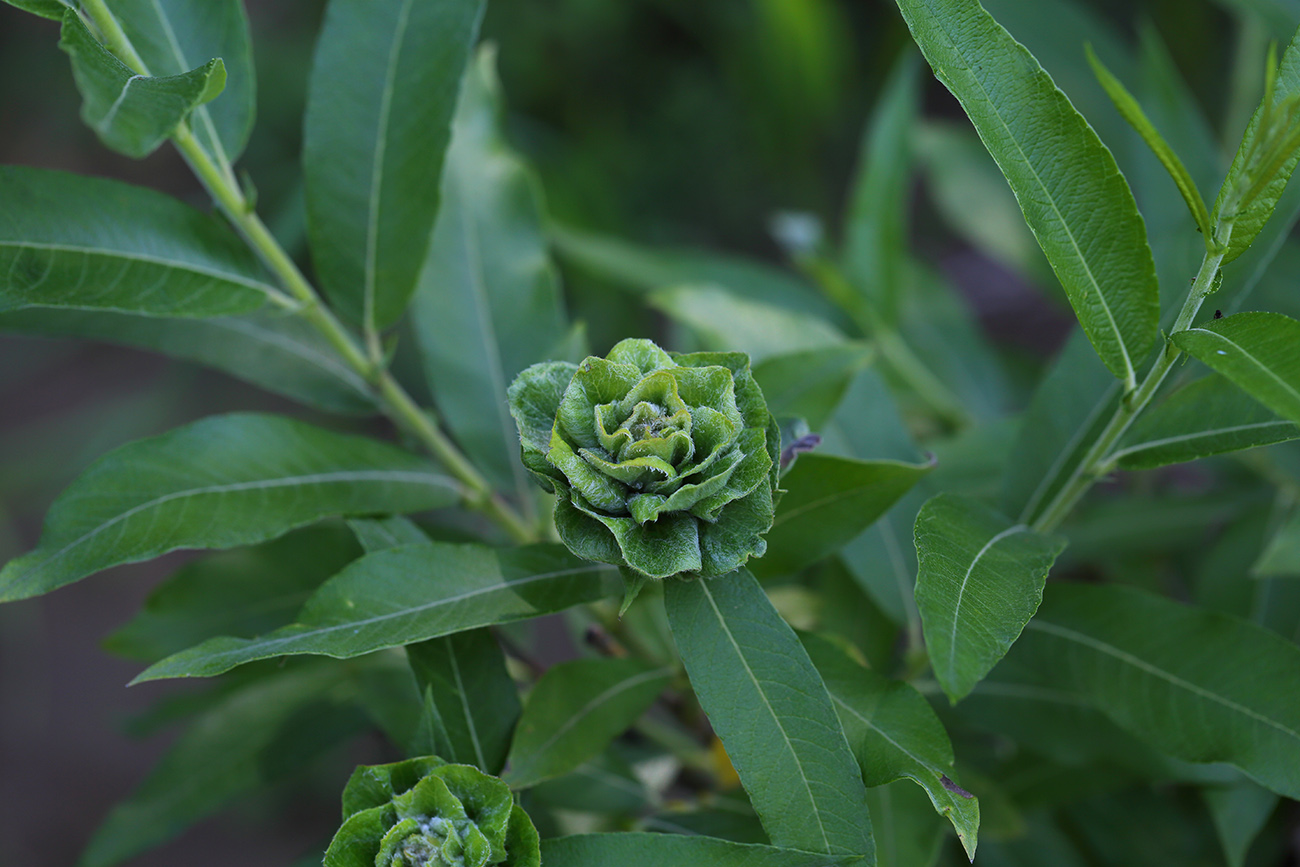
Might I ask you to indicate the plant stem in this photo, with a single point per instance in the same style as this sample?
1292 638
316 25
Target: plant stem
218 178
1096 462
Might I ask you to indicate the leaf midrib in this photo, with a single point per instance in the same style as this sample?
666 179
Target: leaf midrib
177 264
1252 359
961 591
1205 434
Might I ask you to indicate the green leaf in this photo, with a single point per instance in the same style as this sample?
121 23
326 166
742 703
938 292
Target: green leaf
1254 350
52 9
77 242
470 702
829 501
1069 188
1132 112
173 36
575 710
277 351
1239 812
875 232
380 534
259 733
1282 554
673 850
979 580
727 321
488 301
1072 405
1198 685
895 735
908 831
408 594
1210 416
383 92
133 114
1251 220
605 784
220 482
767 704
243 592
810 384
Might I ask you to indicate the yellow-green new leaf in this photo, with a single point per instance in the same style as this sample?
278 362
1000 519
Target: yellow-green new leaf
132 113
1257 351
1132 112
980 578
1072 194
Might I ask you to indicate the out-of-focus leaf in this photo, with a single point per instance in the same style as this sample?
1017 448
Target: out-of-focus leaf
383 92
811 383
173 36
605 784
277 351
1068 411
52 9
1281 557
895 735
908 831
245 742
1062 174
726 321
1250 221
575 710
830 500
243 592
675 850
1210 416
218 483
875 231
1257 351
380 534
408 594
1239 812
488 302
1198 685
767 704
76 242
131 113
980 578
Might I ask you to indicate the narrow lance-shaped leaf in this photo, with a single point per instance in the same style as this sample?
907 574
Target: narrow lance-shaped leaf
895 735
829 501
1071 192
488 301
1239 812
675 850
1282 554
1211 416
409 594
132 113
173 36
68 241
1250 221
220 482
277 351
1132 112
575 710
1198 685
1257 351
979 580
383 91
769 707
875 230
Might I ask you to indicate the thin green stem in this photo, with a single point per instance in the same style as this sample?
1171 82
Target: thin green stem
1097 462
219 180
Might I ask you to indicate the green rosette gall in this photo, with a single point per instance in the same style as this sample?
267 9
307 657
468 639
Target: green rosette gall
426 813
665 464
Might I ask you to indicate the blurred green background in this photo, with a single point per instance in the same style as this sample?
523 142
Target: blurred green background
664 122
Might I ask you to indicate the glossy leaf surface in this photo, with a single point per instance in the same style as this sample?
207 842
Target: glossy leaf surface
383 91
131 113
1257 351
408 594
895 735
1069 188
767 703
220 482
77 242
979 580
575 710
